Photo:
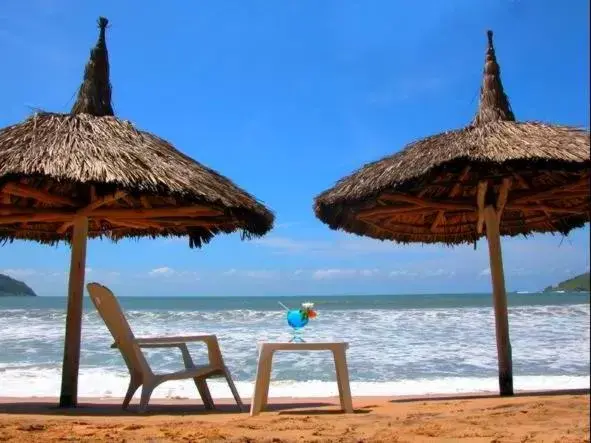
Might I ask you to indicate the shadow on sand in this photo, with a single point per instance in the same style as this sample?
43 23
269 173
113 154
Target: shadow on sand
483 396
114 409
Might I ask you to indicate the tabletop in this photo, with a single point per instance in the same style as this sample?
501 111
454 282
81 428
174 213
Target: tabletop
302 346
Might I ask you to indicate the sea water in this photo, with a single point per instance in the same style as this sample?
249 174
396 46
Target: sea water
399 344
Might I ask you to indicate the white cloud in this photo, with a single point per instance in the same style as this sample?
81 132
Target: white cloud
263 274
341 245
28 272
251 273
168 272
512 271
425 271
55 282
19 273
485 271
368 272
317 274
163 271
402 273
440 272
324 274
433 261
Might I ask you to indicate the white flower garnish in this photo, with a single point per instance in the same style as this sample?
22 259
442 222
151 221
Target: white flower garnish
307 305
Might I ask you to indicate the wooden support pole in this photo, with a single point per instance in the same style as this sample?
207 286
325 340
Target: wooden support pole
480 196
502 197
500 301
71 363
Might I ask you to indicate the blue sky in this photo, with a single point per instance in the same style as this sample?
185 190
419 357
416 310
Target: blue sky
285 98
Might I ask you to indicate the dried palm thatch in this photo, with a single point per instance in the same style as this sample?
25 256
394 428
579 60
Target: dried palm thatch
71 176
514 177
129 183
537 174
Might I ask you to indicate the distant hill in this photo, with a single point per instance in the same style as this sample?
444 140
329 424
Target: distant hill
580 283
10 287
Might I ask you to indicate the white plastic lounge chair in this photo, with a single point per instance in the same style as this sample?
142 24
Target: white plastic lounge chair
139 370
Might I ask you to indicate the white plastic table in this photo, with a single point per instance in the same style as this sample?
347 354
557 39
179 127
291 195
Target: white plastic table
263 378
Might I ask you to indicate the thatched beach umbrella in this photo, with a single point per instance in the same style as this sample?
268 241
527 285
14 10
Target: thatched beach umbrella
510 177
89 174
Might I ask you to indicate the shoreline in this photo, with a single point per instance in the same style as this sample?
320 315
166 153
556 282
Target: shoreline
296 400
105 385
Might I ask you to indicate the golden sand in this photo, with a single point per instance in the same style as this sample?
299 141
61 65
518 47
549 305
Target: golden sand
524 418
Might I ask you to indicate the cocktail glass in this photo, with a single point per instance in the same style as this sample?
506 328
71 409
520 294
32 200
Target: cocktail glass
297 319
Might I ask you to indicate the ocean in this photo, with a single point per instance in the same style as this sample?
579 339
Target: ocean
399 344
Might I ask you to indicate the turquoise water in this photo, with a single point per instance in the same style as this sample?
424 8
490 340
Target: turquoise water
399 301
399 344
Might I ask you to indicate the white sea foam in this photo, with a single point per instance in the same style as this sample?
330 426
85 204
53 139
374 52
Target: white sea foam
34 382
392 352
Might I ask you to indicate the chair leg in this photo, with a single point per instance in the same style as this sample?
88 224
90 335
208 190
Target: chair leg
204 392
133 387
233 389
145 398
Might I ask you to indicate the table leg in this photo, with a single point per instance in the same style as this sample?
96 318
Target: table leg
267 379
340 361
261 385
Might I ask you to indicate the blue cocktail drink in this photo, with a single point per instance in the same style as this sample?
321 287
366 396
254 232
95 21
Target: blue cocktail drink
298 318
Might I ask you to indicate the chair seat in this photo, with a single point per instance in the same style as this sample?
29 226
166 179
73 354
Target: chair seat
196 371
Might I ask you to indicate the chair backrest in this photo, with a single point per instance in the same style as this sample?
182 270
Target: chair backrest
113 316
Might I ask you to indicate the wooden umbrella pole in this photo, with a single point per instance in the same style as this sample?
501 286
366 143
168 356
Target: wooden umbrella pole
492 221
71 363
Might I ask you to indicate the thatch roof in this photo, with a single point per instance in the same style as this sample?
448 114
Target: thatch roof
539 174
129 182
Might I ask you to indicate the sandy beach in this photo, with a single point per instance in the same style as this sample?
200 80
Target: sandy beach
527 417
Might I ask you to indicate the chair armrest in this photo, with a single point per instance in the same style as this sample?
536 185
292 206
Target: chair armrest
170 341
173 340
